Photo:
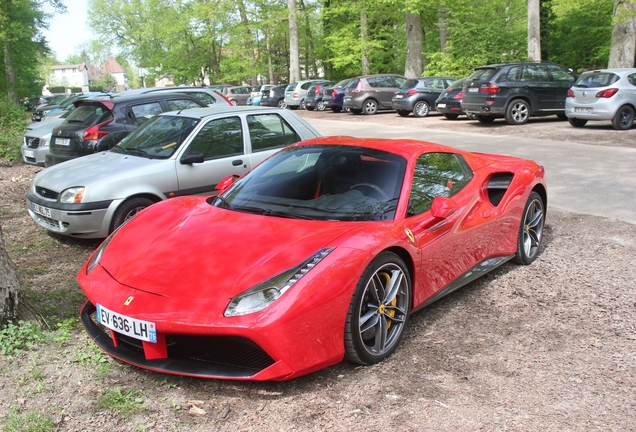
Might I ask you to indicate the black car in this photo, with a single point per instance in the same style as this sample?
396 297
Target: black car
274 97
313 100
333 100
98 124
418 95
449 103
517 91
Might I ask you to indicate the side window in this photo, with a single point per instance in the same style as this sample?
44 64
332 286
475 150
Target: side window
373 82
219 138
514 74
385 81
269 131
204 98
436 174
632 79
536 73
179 104
560 74
399 81
145 112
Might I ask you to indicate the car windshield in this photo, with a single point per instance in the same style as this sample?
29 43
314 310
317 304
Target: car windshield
596 79
342 83
321 183
158 138
409 84
457 84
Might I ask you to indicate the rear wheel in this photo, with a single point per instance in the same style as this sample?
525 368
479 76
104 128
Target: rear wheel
303 105
129 209
421 109
233 102
531 230
451 116
403 113
370 107
320 106
378 311
577 122
518 112
484 119
624 118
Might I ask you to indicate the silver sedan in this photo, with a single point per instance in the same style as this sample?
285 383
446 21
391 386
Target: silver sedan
606 94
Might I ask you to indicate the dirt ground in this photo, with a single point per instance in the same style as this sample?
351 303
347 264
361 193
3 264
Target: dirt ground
547 347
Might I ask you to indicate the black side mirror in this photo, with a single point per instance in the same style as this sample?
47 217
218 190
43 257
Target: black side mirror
192 158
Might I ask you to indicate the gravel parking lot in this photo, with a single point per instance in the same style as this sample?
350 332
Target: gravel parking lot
549 347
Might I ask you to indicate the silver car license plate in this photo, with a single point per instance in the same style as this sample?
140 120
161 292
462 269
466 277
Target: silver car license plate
41 210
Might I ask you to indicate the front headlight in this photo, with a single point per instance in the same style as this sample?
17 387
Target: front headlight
264 294
44 141
72 195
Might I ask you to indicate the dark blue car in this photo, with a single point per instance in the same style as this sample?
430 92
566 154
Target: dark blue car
333 99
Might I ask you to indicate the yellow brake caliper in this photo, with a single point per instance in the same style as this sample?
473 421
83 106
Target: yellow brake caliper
382 309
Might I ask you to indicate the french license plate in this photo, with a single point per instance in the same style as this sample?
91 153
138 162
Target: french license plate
62 141
29 153
473 89
41 210
138 329
399 96
441 105
582 110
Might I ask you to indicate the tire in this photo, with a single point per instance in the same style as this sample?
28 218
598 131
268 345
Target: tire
624 118
233 102
355 111
303 105
518 112
336 109
484 119
451 116
370 107
281 104
320 106
128 209
530 230
404 113
379 310
577 122
421 109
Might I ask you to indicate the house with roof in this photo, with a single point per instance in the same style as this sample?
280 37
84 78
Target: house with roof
82 75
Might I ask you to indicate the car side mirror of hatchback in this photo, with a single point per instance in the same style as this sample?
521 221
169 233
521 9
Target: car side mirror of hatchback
443 207
226 182
192 158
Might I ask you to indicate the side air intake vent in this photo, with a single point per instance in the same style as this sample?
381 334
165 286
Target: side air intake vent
497 187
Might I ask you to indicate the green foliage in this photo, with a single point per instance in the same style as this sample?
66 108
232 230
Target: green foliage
30 420
125 402
57 89
95 88
75 89
12 124
18 337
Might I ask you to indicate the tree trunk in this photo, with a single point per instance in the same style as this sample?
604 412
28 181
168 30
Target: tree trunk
623 46
294 66
414 38
9 71
364 36
443 28
249 41
534 30
9 285
270 67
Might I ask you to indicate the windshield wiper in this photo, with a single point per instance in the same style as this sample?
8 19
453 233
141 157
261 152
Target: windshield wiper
269 212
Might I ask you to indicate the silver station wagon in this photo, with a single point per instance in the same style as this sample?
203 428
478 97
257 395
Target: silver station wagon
173 154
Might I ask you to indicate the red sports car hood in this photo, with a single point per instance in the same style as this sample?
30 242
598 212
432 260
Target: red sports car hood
187 248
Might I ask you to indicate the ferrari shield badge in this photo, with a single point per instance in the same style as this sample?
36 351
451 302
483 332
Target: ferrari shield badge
128 300
410 235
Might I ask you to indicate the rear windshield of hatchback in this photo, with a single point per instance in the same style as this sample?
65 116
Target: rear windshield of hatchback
409 84
483 74
596 79
89 114
291 87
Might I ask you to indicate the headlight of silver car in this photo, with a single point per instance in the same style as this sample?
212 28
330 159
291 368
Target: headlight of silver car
72 195
264 294
44 141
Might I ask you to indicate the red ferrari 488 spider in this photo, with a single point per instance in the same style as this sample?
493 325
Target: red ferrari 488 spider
318 254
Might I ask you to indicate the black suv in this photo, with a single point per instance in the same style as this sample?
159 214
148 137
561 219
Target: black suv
99 124
517 91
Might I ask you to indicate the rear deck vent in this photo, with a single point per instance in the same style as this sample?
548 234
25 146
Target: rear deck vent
497 187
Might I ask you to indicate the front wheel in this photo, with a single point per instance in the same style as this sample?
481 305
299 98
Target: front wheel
370 107
233 102
624 118
129 209
421 109
577 122
530 230
378 311
518 112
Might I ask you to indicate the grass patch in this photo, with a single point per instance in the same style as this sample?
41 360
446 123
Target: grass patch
17 337
30 420
125 403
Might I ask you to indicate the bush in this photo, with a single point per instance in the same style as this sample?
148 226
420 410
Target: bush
75 89
13 122
56 90
95 88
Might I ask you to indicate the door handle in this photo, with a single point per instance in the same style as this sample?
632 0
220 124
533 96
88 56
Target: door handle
237 162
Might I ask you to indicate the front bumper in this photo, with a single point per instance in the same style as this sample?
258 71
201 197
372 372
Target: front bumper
34 156
90 220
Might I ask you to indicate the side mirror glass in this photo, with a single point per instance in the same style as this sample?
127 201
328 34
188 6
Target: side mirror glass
192 158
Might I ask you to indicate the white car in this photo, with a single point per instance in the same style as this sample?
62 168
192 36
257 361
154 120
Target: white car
173 154
605 94
35 144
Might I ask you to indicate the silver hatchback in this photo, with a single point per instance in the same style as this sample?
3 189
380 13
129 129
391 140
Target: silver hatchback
606 94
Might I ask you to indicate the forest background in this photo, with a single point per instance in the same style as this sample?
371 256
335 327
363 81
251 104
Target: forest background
248 41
